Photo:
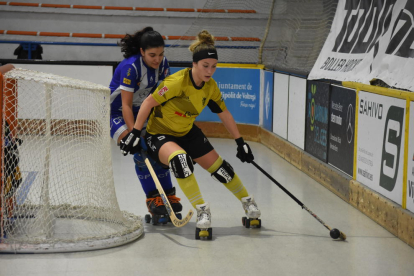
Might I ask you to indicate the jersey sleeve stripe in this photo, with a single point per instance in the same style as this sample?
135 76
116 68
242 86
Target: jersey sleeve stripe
129 89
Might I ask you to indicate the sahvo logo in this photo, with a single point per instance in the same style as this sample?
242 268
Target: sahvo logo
391 147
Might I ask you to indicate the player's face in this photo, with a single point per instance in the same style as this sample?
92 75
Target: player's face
153 56
205 69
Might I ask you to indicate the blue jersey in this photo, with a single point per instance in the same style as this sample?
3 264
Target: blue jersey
134 76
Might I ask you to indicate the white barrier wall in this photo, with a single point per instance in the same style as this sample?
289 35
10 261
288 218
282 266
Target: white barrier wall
297 111
280 104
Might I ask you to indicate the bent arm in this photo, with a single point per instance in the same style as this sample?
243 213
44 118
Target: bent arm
144 111
229 123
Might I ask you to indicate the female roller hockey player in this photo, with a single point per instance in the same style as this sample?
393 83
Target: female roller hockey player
172 138
134 78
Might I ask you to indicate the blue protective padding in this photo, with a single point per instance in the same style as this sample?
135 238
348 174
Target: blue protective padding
144 175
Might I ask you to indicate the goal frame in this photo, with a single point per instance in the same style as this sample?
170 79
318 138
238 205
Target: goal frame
129 226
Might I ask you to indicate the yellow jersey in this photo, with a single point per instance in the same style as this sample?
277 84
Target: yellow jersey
181 101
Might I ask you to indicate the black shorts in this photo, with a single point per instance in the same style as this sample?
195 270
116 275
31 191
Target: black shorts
195 143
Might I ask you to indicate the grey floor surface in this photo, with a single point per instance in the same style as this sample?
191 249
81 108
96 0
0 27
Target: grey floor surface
290 242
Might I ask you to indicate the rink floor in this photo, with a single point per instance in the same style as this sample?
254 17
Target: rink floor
290 242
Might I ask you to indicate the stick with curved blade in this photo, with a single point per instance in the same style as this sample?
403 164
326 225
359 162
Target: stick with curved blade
177 222
335 233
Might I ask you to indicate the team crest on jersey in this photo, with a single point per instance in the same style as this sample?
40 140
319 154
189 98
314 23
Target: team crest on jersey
129 72
163 90
127 81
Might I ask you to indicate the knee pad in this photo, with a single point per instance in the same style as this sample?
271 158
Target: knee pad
224 174
181 165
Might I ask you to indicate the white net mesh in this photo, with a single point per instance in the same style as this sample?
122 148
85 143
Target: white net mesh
57 189
297 33
238 27
284 35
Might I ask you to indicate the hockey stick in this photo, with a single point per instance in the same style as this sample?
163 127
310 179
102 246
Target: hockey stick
177 222
335 233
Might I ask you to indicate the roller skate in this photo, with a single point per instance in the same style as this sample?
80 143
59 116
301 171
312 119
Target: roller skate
158 212
252 213
174 200
203 229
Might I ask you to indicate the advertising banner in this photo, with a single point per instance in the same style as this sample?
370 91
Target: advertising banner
410 164
268 101
241 91
317 113
280 104
380 152
342 129
297 111
369 39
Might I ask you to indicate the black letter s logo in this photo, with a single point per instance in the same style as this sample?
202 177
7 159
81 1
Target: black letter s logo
391 147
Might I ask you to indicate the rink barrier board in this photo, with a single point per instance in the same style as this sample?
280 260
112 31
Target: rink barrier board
329 177
382 210
375 206
394 93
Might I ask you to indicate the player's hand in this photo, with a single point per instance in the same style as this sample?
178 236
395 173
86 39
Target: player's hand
244 153
130 143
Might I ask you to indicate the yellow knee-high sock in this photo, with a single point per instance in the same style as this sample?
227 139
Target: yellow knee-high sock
189 185
235 185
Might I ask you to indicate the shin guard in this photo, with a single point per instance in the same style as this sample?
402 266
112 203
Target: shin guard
187 181
221 171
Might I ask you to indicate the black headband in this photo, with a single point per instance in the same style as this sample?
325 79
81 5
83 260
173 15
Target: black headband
205 54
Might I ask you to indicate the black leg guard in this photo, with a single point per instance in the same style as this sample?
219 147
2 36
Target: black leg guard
224 174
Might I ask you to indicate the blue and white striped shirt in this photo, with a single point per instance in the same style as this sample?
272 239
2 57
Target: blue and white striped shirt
133 75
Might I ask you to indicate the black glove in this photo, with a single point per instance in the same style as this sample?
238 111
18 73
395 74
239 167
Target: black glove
130 143
244 153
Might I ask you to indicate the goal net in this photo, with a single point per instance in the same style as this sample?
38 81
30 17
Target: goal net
284 35
238 27
57 187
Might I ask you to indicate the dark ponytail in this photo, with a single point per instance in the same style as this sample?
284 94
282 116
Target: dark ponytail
145 39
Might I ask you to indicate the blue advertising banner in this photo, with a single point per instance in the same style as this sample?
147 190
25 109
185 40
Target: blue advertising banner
268 101
241 91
